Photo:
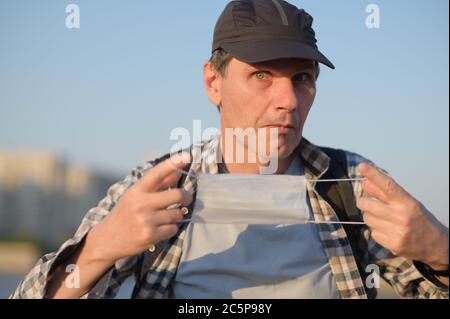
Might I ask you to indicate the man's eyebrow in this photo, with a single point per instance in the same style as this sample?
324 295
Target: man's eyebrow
307 65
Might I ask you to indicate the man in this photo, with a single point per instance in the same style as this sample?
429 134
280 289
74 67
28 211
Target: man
262 75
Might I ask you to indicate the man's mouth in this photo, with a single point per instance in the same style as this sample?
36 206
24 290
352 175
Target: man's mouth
282 128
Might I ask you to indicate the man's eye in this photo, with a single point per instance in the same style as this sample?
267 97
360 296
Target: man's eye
302 77
260 75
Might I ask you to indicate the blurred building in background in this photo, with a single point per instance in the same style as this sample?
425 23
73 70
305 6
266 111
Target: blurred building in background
43 198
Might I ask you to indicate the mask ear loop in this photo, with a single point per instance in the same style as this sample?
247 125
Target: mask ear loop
355 179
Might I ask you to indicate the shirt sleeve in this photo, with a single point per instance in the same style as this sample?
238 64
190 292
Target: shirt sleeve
401 273
34 285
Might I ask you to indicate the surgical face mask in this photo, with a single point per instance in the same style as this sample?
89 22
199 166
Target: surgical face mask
252 199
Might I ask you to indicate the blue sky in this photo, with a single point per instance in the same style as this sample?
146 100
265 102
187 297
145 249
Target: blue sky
107 95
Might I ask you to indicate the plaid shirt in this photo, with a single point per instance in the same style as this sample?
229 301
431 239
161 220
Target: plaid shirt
154 271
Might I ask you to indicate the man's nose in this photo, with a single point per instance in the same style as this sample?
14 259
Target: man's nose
287 98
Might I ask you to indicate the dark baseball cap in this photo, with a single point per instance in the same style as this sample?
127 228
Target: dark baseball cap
262 30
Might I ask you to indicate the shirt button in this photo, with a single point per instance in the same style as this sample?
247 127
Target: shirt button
151 248
185 210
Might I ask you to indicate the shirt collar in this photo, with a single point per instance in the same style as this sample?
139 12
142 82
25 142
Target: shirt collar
315 161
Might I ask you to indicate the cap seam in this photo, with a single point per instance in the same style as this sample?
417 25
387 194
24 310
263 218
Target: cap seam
283 16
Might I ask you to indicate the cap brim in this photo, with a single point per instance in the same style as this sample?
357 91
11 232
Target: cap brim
261 51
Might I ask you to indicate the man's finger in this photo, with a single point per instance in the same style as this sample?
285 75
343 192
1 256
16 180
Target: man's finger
166 231
376 208
387 185
374 191
377 224
168 216
170 180
154 178
381 238
164 199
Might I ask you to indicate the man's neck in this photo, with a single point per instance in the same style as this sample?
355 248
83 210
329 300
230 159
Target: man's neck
254 168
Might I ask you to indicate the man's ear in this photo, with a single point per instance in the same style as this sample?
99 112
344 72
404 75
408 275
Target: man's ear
212 81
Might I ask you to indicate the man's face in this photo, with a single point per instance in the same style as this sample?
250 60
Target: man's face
277 93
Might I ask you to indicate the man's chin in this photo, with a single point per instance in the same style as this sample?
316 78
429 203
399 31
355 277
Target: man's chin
284 151
286 147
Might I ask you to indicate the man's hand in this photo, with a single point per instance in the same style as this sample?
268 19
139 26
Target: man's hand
141 218
401 223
